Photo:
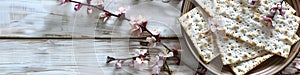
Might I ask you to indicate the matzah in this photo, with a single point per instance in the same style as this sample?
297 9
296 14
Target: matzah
248 25
244 21
193 25
243 67
232 50
209 5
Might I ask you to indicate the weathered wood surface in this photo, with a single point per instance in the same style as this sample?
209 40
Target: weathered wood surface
71 57
46 18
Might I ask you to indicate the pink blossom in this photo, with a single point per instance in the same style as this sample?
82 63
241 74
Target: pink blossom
121 15
282 12
101 6
102 14
138 25
136 29
89 10
64 1
77 6
170 54
253 2
118 65
151 41
273 10
154 58
122 10
140 64
106 15
267 18
140 52
279 6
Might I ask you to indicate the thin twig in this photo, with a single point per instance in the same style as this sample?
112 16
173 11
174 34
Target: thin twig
102 9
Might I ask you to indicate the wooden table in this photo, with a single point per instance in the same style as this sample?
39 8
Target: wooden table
71 56
40 37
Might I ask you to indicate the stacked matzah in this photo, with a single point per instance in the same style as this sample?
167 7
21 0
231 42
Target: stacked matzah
249 39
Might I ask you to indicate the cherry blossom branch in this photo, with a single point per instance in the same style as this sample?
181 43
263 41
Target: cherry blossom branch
99 7
157 37
110 59
141 27
268 18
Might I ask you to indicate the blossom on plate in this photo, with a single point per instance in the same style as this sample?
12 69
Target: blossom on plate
77 6
216 26
252 2
135 28
268 20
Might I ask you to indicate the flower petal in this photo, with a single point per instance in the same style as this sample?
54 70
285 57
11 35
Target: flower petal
282 12
77 6
102 14
170 54
89 10
273 10
118 65
138 60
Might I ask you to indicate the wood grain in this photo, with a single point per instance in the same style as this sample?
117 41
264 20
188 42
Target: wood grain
71 56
